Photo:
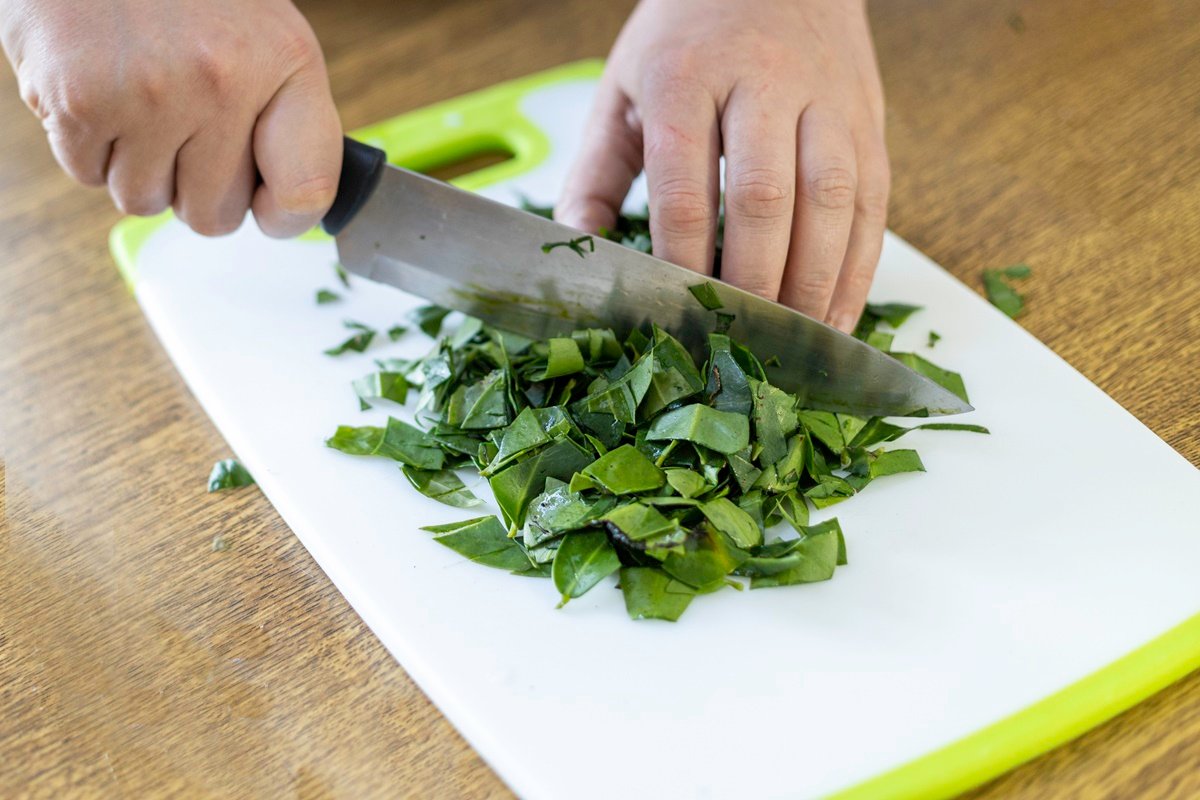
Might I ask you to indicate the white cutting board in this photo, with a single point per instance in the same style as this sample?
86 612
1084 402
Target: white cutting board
1018 566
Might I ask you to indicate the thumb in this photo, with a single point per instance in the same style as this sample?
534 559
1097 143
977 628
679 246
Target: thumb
607 163
298 151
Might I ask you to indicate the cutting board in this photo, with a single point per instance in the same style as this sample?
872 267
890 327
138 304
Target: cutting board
1030 585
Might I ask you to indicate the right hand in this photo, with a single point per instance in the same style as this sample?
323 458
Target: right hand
210 108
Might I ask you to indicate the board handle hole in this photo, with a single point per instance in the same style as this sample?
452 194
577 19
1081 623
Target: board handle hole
465 164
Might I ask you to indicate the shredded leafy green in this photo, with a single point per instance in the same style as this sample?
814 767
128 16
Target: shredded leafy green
228 473
341 273
1000 292
357 343
576 245
630 456
934 338
429 319
326 296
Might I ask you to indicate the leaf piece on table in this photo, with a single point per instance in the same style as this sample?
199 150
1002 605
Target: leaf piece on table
729 519
951 381
228 473
811 558
326 296
1000 292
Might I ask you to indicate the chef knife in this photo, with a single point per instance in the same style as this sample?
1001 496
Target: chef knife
485 259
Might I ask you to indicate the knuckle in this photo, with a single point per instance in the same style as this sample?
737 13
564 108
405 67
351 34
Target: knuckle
760 285
139 204
309 196
299 47
215 71
873 206
831 187
77 101
761 194
681 206
209 223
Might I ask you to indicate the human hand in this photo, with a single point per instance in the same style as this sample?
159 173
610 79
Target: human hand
183 104
789 93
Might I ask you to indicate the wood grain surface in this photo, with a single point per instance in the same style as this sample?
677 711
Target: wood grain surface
135 660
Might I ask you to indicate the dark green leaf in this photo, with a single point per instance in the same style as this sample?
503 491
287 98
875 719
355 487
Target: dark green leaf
1000 293
637 522
625 470
944 377
483 540
356 343
728 388
442 485
429 319
706 294
562 358
651 593
399 441
732 521
894 314
480 406
705 561
342 276
774 420
583 560
722 431
686 482
387 385
517 485
934 338
325 296
813 557
396 331
228 474
581 245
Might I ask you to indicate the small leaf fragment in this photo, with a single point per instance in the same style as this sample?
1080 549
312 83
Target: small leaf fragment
228 473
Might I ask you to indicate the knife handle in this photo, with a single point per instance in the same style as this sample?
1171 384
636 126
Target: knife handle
362 166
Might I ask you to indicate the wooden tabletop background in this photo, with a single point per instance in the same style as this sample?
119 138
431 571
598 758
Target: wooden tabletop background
134 660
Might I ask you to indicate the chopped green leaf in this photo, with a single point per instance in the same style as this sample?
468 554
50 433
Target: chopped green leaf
625 470
396 331
483 540
386 385
341 273
325 296
228 473
581 245
356 343
583 560
934 338
1000 293
429 319
706 294
442 485
722 431
652 594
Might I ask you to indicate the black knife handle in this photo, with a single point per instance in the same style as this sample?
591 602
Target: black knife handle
362 166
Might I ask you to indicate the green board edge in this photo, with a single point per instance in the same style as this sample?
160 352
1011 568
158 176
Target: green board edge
1039 728
491 117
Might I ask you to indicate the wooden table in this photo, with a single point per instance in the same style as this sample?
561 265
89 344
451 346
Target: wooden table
134 659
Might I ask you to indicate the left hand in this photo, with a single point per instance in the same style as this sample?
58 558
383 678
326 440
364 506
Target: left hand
789 93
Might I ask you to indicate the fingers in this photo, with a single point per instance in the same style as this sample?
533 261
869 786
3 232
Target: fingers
866 238
828 184
681 146
760 190
82 155
298 150
215 179
607 163
141 173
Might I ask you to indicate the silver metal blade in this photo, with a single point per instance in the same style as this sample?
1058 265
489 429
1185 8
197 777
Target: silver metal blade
468 253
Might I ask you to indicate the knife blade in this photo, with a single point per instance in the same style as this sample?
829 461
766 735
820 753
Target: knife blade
485 259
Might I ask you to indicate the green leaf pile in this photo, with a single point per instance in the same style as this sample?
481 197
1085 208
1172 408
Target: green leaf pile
627 456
